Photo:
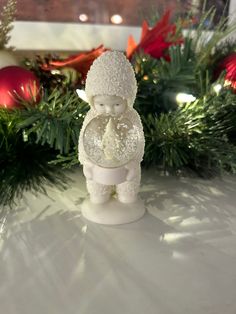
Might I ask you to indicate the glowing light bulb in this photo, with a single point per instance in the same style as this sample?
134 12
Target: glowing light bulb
81 94
183 98
217 88
55 72
116 19
83 17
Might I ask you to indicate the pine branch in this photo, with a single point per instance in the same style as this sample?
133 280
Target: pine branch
180 69
168 136
61 79
67 161
6 19
196 136
205 40
159 80
24 165
56 120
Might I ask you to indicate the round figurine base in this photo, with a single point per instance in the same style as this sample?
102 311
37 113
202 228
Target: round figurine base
113 212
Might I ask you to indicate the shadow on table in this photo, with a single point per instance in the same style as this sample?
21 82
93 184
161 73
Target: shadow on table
203 207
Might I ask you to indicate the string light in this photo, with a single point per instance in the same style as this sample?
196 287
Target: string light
184 98
116 19
55 72
217 88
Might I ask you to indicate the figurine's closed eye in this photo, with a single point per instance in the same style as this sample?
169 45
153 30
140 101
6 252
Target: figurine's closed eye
117 105
101 105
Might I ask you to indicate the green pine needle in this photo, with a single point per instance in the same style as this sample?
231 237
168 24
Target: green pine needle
24 165
56 120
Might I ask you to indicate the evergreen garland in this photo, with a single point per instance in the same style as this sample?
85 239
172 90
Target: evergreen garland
24 165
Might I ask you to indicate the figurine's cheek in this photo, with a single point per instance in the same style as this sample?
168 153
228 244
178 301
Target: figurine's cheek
119 109
99 109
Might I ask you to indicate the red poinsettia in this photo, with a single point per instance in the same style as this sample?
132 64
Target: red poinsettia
80 62
228 64
155 41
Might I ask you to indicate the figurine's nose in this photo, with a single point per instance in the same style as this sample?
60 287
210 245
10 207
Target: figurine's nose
109 110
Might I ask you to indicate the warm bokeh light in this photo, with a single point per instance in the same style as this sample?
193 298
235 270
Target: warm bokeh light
116 19
83 17
217 88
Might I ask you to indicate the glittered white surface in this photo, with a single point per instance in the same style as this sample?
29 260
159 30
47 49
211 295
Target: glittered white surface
111 74
178 259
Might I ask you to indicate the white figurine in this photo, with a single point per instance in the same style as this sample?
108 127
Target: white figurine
111 142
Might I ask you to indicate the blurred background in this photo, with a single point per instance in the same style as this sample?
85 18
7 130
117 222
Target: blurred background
129 12
75 25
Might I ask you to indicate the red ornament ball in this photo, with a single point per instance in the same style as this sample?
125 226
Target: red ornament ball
16 84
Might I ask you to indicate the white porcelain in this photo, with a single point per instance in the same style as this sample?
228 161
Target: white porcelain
114 212
111 141
109 176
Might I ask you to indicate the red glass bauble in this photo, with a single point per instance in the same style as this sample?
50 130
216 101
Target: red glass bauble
17 84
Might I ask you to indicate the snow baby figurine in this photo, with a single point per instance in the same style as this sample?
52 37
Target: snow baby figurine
111 89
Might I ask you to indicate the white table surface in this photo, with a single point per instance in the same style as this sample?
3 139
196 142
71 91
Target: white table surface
180 258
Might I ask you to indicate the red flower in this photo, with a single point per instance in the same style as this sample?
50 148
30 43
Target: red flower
157 40
229 65
80 62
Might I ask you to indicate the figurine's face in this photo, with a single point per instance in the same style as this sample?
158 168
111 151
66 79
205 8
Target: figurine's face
109 105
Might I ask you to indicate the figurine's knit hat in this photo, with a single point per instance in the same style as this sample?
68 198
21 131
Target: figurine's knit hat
111 74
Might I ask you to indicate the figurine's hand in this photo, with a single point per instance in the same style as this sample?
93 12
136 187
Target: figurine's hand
132 170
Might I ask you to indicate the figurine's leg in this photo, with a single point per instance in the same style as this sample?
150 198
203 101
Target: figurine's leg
99 193
127 191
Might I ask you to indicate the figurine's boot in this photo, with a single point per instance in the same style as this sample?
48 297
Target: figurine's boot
99 193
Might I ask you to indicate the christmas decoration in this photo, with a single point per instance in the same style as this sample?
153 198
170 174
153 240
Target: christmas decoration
157 40
7 57
228 64
80 62
62 79
17 84
6 19
111 143
27 153
188 116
